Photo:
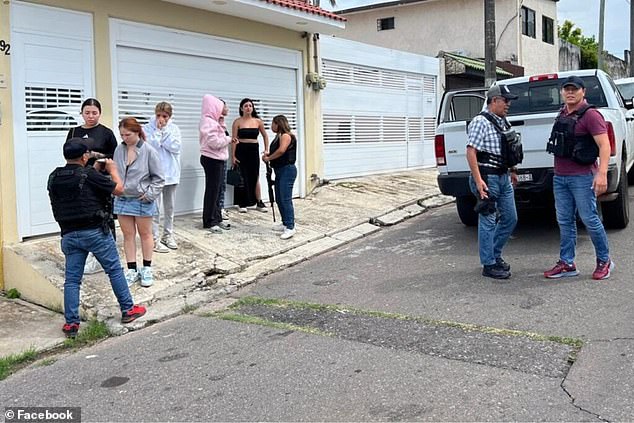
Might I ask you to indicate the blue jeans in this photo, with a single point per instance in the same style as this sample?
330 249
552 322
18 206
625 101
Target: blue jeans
495 229
76 245
575 194
284 180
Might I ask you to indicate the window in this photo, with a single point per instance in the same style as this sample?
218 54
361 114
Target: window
548 30
528 21
384 23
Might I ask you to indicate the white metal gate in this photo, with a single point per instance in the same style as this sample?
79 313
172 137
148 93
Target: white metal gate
379 108
151 66
52 71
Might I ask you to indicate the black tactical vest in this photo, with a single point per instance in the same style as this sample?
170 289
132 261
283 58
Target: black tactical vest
72 199
512 152
564 143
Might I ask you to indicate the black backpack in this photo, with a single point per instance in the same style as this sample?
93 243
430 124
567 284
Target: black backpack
512 151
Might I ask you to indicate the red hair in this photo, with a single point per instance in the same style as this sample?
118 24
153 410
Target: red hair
132 125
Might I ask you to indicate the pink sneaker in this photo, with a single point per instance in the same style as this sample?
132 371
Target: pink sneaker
561 270
603 269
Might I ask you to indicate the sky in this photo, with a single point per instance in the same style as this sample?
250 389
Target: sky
584 13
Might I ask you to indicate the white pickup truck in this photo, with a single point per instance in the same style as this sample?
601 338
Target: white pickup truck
533 115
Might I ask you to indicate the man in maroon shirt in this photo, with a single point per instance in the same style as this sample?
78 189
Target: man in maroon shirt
577 184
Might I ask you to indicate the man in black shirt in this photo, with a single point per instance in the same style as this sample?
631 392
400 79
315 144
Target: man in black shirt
79 197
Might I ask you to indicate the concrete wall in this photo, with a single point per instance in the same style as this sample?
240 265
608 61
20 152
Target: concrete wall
152 12
569 56
458 25
616 67
536 55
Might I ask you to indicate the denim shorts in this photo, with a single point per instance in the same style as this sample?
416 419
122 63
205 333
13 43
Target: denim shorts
128 206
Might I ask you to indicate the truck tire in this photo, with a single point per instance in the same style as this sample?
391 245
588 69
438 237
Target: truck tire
616 213
465 206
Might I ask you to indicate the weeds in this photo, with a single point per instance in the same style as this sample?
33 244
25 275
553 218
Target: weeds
12 362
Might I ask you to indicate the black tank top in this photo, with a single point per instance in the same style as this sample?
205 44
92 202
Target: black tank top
248 133
290 155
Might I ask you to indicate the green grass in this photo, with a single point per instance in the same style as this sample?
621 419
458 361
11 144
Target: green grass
299 305
11 363
13 293
252 320
88 334
47 361
188 308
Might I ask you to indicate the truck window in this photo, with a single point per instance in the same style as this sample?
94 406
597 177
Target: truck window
464 108
545 96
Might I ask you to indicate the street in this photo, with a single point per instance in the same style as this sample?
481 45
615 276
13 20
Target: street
397 326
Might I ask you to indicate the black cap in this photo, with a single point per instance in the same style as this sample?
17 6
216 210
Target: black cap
573 80
501 91
75 147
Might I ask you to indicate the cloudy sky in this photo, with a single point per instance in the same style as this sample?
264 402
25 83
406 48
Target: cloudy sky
584 13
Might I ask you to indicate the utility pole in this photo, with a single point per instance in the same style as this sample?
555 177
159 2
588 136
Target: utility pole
489 43
601 28
631 38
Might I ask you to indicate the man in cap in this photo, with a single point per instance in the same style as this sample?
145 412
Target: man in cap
79 197
582 134
492 182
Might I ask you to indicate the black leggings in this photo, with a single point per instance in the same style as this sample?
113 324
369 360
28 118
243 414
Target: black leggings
213 178
249 156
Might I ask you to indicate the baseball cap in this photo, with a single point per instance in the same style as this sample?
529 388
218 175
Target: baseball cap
500 90
573 80
75 147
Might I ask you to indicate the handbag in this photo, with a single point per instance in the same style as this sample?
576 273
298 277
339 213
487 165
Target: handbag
234 177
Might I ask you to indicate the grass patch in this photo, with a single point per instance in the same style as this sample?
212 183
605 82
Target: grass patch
252 320
13 294
47 362
88 334
13 362
300 305
188 308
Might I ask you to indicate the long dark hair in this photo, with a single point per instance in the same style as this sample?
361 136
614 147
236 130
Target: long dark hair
91 102
248 100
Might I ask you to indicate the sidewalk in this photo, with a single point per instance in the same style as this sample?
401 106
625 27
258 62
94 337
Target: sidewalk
208 266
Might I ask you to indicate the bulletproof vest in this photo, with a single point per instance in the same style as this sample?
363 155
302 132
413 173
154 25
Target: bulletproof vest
511 149
564 143
72 199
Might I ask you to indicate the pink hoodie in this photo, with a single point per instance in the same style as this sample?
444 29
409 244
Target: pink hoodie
212 138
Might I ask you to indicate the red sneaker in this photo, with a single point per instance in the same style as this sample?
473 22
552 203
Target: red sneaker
70 329
603 269
134 313
561 270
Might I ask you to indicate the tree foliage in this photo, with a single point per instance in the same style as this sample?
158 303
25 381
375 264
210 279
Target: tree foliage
588 45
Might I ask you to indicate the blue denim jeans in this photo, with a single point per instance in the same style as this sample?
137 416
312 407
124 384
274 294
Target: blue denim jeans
76 245
575 194
284 180
495 229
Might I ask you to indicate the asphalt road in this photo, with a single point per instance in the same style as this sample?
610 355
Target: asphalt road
399 326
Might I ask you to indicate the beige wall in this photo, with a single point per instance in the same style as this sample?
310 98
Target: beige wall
537 56
157 13
456 25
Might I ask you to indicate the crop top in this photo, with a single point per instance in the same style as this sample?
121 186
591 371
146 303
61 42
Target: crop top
248 133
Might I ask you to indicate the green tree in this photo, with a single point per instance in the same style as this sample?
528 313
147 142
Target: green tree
588 45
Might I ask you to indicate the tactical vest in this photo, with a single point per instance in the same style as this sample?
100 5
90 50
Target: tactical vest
512 152
72 201
564 143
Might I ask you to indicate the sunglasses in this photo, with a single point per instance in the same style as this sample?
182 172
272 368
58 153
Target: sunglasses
505 100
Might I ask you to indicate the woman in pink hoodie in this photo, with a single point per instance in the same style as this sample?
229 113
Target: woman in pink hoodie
213 154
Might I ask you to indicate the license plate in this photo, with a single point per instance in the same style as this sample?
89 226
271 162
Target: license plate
525 177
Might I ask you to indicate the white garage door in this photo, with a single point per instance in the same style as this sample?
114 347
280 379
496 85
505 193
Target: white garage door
155 64
52 68
378 108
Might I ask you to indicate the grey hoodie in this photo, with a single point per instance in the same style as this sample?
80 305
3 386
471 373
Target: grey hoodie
144 176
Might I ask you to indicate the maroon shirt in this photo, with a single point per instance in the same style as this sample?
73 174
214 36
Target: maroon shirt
591 122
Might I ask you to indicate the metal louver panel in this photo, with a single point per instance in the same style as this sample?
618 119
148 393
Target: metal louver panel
52 108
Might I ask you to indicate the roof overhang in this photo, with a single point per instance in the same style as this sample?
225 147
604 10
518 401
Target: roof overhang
269 13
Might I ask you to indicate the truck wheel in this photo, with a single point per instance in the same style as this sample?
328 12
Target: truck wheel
616 214
465 207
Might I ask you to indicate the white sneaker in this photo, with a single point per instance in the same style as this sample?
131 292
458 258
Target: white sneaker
169 242
146 277
261 207
225 226
92 265
225 215
288 233
131 276
215 229
278 228
159 247
242 209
